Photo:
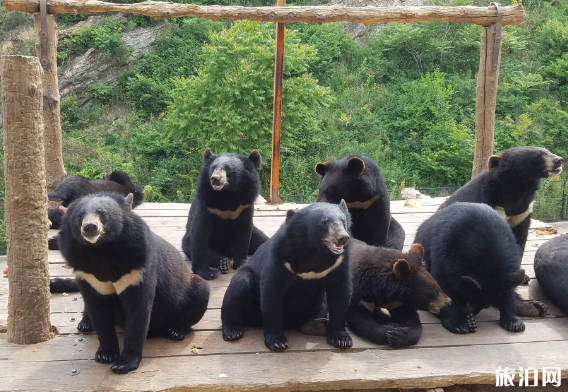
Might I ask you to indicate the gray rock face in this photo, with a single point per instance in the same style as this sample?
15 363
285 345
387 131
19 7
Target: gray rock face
92 66
358 30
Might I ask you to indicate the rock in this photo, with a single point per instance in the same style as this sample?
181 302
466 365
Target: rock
411 193
92 66
259 200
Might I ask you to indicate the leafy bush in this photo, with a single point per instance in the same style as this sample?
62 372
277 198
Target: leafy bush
105 37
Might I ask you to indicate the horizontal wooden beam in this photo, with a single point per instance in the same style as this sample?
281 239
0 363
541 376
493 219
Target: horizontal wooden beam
484 16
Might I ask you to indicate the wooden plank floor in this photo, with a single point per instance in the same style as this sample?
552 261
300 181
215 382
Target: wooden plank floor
439 359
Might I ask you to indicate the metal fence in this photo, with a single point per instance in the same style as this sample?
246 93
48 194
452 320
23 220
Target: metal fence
551 203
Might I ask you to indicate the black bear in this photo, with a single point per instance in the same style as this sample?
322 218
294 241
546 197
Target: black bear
76 186
551 269
395 281
128 276
285 282
509 185
472 253
358 180
220 225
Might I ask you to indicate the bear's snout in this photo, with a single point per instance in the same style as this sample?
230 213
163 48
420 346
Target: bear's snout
558 161
342 238
218 179
92 228
89 228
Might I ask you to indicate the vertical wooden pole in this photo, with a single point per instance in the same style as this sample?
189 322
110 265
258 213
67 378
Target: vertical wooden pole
55 171
487 81
26 200
277 111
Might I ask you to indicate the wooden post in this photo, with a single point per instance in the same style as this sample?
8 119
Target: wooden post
55 172
277 111
487 81
26 200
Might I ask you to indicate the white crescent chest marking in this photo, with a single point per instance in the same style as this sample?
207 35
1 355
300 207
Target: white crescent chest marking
389 306
312 274
363 204
515 220
107 288
228 214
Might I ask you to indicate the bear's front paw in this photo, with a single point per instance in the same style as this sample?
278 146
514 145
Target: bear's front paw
398 336
276 342
224 265
526 280
85 325
463 324
232 333
176 334
339 339
207 273
125 364
107 355
531 309
513 324
53 243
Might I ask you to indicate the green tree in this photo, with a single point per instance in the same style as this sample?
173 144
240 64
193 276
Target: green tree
228 104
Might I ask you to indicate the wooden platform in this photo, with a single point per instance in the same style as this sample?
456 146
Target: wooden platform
204 362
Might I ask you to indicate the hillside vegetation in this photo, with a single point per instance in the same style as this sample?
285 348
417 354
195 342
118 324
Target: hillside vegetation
406 97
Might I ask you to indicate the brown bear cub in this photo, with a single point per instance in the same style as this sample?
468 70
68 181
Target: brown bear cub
358 180
395 281
509 186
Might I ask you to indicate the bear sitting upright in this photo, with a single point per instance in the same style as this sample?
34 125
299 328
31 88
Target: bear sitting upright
220 225
128 276
358 180
551 270
285 283
473 255
509 186
395 281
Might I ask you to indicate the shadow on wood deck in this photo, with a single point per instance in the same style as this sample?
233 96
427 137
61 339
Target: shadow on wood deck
439 359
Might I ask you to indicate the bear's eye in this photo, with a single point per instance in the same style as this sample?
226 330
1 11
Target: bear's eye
324 222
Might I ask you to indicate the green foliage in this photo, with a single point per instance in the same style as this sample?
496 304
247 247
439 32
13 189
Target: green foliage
100 92
227 105
13 19
105 37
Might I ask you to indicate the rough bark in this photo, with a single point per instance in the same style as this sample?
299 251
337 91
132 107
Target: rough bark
483 16
487 81
54 170
26 200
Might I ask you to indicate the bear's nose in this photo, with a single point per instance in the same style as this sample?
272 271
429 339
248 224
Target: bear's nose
215 180
90 229
342 239
558 160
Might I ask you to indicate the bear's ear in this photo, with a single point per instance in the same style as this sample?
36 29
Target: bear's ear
63 210
320 168
515 278
401 269
356 165
493 162
289 215
255 158
129 199
471 281
207 154
417 249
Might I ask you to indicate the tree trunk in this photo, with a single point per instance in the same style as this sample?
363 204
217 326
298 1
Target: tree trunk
487 81
26 200
54 170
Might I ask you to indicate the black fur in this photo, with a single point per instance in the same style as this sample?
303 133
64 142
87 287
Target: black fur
388 278
264 292
551 269
167 300
472 253
209 238
396 236
510 182
357 178
75 186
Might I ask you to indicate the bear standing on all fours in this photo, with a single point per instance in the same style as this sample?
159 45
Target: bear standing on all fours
509 185
220 225
284 284
472 253
395 281
128 276
551 270
358 180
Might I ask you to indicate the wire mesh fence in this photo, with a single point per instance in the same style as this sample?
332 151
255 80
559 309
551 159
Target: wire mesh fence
550 203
